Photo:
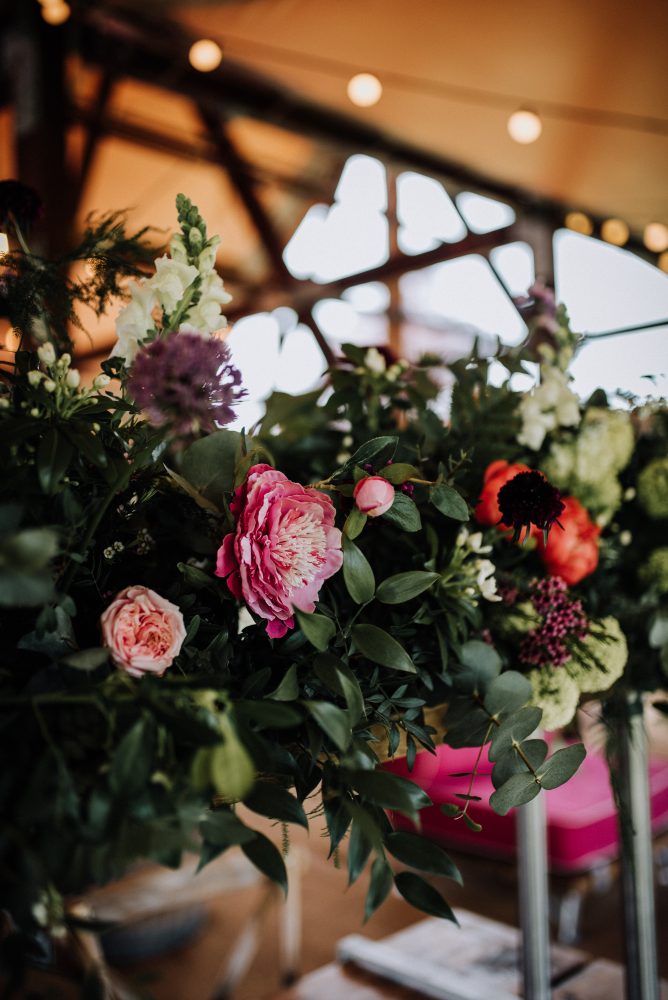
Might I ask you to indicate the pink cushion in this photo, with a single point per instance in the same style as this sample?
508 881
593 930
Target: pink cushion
581 815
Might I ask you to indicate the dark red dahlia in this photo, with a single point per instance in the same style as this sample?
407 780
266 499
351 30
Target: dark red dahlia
529 499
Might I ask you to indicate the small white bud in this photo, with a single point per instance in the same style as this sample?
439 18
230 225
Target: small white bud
347 441
35 377
630 493
49 385
96 427
101 381
626 538
65 360
4 403
73 378
34 412
46 353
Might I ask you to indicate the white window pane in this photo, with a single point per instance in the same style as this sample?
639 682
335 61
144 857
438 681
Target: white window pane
363 184
424 207
298 254
372 297
515 265
301 363
483 215
623 362
604 287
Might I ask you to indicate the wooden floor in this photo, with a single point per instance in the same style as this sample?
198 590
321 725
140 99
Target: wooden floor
331 911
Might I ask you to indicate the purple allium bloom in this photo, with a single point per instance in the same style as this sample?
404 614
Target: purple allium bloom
528 498
564 621
19 202
187 382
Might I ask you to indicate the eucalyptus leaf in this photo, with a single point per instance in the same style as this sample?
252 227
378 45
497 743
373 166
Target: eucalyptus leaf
518 790
380 647
87 659
561 766
510 762
506 693
514 729
208 464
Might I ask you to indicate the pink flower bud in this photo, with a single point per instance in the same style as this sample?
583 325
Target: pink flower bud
374 495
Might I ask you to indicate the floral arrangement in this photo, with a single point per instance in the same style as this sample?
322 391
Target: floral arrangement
195 617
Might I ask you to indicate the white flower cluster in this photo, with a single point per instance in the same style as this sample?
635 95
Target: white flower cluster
557 690
375 364
60 385
589 465
167 290
551 405
481 571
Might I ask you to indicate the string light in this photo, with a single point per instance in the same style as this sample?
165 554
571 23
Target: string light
205 55
655 237
579 223
524 126
615 231
364 90
4 244
663 261
55 12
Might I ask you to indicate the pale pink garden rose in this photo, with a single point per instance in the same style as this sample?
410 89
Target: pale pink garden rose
373 495
143 631
283 548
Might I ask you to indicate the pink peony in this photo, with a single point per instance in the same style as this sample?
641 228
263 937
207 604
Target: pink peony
283 549
143 631
374 495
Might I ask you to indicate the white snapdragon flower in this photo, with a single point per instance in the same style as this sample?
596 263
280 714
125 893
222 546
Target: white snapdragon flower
177 249
486 580
550 405
206 315
206 261
47 354
134 322
73 378
170 281
374 361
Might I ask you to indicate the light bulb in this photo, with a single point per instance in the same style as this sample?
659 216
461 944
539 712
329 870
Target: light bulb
663 261
205 55
4 244
655 237
365 90
579 223
615 231
56 13
524 126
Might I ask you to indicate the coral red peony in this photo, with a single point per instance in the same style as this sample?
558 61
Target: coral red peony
283 548
572 553
496 475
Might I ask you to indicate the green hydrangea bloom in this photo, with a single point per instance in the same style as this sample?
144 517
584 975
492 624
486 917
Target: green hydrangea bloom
519 620
612 652
655 571
559 464
653 488
556 693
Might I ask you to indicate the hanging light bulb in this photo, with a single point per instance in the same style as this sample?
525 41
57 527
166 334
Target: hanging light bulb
579 223
524 126
205 55
615 231
663 261
55 11
655 237
364 90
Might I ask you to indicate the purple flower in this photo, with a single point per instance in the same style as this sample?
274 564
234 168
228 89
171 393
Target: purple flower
19 203
564 622
187 382
528 498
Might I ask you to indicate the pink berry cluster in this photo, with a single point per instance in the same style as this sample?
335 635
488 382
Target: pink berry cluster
564 620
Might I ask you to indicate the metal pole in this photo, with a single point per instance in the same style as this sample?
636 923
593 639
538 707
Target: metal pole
642 982
534 899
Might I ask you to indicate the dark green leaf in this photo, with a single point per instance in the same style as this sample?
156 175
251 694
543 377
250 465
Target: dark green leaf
318 629
354 523
481 664
269 714
510 762
357 573
380 884
209 464
516 791
514 729
370 449
405 586
359 849
87 659
423 896
224 829
418 852
132 762
380 647
449 502
389 791
561 766
506 693
53 458
338 677
288 689
403 513
267 858
399 473
276 803
333 721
